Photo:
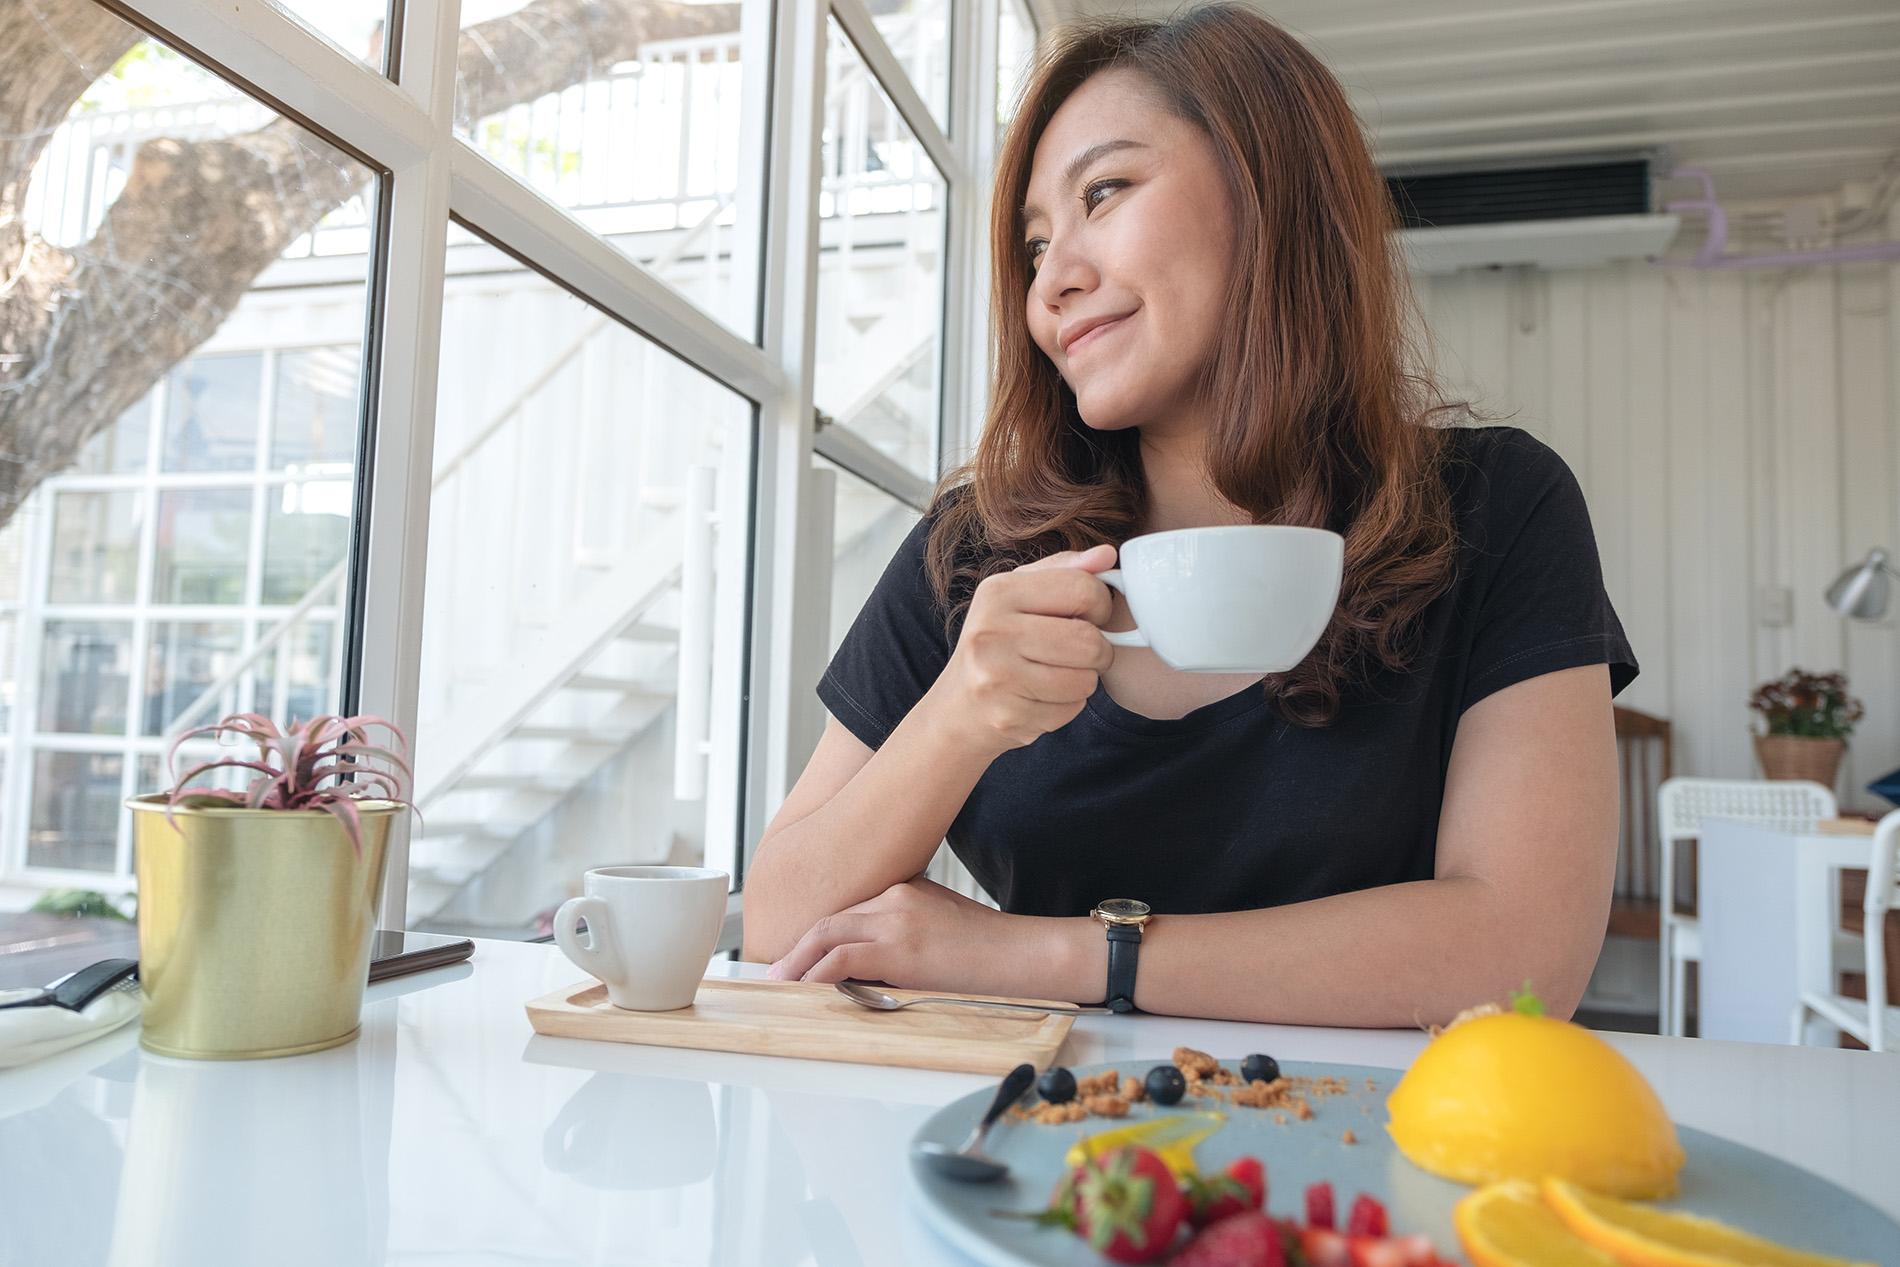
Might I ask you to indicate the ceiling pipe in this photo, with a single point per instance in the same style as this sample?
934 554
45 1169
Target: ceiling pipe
1710 256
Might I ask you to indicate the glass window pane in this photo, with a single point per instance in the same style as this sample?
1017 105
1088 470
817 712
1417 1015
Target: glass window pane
297 679
867 526
358 27
880 270
1015 50
566 564
640 122
75 811
9 666
157 199
95 547
204 541
314 418
85 672
12 546
182 658
211 413
306 534
121 449
918 32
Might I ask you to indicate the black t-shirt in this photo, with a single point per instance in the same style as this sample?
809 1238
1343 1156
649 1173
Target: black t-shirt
1231 807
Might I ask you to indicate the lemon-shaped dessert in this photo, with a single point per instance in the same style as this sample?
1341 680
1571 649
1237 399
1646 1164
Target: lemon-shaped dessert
1513 1096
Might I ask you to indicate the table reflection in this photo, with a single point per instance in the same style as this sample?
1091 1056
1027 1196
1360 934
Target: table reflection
249 1161
624 1131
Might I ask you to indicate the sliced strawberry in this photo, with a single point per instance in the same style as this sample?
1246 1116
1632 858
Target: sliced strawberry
1319 1206
1323 1247
1125 1204
1367 1218
1242 1186
1418 1249
1375 1251
1247 1239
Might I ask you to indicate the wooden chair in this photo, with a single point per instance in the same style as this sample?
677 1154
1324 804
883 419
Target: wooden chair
1645 759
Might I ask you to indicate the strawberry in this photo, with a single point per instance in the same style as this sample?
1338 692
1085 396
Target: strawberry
1319 1206
1375 1251
1242 1186
1247 1239
1124 1203
1323 1247
1418 1250
1367 1218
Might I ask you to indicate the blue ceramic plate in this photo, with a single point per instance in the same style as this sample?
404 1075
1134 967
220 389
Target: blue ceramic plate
1742 1187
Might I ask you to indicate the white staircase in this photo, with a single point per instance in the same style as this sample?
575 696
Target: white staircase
544 725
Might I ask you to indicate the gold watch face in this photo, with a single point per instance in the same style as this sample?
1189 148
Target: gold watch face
1121 910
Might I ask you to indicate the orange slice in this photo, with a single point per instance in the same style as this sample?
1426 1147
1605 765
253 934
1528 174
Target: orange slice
1507 1224
1646 1237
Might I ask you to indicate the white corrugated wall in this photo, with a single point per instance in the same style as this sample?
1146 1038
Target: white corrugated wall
1737 435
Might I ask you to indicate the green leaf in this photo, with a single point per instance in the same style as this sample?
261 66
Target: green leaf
1525 1002
77 903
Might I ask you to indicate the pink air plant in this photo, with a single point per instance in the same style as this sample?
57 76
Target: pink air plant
293 766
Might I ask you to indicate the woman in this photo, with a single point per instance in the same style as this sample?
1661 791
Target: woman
1200 320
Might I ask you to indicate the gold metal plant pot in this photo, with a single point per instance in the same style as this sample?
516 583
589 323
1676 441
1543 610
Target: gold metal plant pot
254 927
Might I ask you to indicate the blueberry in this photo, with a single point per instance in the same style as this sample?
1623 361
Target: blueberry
1258 1068
1057 1085
1165 1085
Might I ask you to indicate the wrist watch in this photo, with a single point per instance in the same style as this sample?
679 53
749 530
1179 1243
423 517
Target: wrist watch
1123 918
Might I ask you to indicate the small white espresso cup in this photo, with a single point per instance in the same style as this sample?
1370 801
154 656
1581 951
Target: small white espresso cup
650 932
1243 599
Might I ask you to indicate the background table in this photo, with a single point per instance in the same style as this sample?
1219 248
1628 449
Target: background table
451 1134
1768 903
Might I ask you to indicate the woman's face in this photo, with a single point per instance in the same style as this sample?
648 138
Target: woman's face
1129 231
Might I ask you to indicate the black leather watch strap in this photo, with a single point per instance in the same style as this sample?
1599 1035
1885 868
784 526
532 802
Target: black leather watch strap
1124 947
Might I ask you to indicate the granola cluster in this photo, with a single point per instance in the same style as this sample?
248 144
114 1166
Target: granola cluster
1108 1094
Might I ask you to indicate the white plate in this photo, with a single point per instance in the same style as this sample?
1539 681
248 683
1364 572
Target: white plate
1723 1180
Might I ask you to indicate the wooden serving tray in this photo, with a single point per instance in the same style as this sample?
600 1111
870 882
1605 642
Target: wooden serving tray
815 1022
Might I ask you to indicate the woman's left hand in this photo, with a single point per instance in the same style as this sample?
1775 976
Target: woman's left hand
918 935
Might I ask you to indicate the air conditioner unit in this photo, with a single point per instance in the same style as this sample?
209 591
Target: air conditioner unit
1577 215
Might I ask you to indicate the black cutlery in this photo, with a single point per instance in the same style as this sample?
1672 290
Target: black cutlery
74 991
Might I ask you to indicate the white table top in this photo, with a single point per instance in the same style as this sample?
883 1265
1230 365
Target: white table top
451 1134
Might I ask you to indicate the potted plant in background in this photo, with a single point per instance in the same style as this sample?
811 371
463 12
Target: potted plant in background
1807 718
257 907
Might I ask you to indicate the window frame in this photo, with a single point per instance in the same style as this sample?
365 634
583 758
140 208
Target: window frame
401 125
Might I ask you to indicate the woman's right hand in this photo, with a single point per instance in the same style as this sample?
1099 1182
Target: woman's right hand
1031 651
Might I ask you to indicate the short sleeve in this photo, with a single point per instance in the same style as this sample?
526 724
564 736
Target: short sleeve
1536 581
894 650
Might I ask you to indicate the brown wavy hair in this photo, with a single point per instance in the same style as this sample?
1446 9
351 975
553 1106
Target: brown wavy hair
1322 414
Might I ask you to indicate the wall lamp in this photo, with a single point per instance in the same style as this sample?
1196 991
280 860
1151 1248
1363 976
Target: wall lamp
1862 591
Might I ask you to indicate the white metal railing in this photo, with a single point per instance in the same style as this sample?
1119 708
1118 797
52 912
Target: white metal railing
89 156
650 146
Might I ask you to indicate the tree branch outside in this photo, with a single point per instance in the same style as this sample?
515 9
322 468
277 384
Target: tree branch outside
86 332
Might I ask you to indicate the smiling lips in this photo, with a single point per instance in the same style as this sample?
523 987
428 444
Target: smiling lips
1082 331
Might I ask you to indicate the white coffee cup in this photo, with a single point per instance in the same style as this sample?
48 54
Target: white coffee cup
650 932
1252 598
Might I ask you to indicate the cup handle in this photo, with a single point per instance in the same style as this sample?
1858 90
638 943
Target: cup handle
602 957
1129 638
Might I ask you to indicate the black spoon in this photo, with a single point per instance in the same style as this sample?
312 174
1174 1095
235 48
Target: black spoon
74 991
969 1163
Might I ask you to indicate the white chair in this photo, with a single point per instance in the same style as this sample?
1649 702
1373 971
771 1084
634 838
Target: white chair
1871 1019
1681 805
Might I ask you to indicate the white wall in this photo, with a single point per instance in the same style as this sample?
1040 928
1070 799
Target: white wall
1737 435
